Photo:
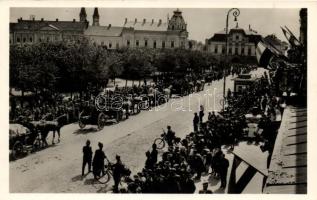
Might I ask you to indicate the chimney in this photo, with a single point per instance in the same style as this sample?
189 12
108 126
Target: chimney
32 17
135 20
74 20
249 27
109 26
144 20
57 19
42 19
152 21
126 20
20 19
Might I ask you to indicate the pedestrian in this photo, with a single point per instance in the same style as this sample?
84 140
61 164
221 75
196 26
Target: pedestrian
154 153
223 170
149 162
195 122
170 136
99 162
201 113
118 170
205 189
87 157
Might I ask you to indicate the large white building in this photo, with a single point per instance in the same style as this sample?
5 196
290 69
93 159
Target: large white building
139 33
241 43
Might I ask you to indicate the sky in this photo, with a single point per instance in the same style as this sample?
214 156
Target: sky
202 23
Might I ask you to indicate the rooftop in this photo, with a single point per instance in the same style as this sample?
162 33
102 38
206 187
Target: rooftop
288 168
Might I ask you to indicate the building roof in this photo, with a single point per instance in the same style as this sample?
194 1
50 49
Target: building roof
36 25
107 31
288 168
146 26
220 36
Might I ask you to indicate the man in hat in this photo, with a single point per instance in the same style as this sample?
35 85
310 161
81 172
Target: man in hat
87 157
205 189
195 122
98 161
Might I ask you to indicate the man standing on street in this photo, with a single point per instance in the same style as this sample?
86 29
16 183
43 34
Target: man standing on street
99 161
87 156
223 170
201 113
195 122
118 170
170 136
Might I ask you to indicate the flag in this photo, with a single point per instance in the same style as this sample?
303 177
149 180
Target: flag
263 54
290 37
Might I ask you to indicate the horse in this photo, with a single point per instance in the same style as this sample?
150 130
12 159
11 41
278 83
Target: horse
54 125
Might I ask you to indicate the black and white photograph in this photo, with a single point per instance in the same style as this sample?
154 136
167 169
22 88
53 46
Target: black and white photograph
171 100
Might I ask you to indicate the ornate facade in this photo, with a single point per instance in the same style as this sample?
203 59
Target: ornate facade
241 43
141 33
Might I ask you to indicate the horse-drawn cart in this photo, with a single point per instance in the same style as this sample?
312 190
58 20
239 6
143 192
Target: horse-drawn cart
99 115
21 140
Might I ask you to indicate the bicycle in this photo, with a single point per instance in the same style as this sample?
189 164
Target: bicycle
105 178
161 141
108 173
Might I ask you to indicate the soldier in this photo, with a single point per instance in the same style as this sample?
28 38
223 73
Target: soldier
205 189
87 156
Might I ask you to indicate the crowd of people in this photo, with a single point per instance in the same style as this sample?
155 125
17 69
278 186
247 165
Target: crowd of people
201 151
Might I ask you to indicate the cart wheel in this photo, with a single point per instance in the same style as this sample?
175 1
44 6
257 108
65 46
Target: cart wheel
105 178
80 122
102 119
160 143
17 150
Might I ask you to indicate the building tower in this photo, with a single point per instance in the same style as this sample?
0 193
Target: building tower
83 15
177 22
95 18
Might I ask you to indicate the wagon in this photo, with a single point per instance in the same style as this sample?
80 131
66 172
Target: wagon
93 116
22 140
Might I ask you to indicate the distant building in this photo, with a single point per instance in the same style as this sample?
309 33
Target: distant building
135 34
241 44
35 31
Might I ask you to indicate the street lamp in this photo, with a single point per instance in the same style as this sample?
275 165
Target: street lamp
235 12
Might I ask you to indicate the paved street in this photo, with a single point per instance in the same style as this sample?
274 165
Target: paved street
58 168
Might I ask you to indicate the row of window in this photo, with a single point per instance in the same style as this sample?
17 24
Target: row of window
30 39
236 51
163 45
